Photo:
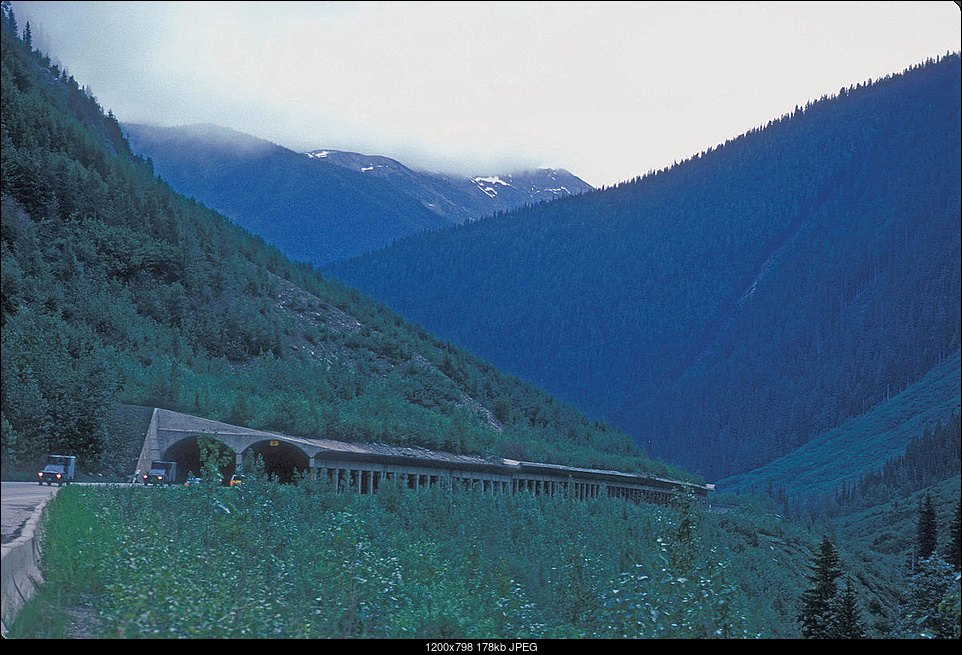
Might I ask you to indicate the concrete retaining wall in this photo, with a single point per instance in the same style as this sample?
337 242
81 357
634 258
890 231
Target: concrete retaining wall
20 563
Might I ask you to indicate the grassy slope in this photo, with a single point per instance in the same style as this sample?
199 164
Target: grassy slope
888 530
861 444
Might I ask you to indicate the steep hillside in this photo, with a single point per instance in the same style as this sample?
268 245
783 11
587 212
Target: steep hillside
459 198
728 309
116 289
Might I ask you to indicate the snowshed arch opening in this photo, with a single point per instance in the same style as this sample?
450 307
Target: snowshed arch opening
281 459
187 454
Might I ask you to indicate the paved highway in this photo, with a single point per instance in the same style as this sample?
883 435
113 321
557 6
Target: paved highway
19 500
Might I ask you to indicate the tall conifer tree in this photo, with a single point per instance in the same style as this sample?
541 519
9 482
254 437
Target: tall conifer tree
818 613
927 529
848 623
6 8
955 539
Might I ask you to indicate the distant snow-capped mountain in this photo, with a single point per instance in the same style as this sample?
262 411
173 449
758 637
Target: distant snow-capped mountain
328 205
312 211
461 198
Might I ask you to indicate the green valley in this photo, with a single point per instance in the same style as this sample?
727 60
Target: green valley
732 340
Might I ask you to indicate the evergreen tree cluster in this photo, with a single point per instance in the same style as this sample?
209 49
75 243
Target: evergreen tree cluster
826 612
933 456
932 608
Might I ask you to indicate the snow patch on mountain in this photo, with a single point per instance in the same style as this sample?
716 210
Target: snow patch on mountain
491 180
460 198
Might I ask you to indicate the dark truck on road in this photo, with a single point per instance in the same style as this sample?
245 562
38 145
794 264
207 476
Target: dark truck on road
161 473
59 468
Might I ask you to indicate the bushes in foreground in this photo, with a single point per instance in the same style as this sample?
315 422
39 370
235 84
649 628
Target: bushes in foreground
272 561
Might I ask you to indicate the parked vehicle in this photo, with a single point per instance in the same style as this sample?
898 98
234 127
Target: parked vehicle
161 472
193 481
60 469
236 480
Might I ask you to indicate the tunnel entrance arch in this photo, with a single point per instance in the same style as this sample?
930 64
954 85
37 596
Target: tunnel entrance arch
187 454
281 459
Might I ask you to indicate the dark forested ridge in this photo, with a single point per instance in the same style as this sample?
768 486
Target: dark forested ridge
726 310
116 289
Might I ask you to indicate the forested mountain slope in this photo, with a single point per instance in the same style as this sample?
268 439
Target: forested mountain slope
327 204
726 310
311 210
116 289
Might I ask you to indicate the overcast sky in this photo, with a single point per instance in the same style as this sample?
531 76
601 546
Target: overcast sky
608 91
